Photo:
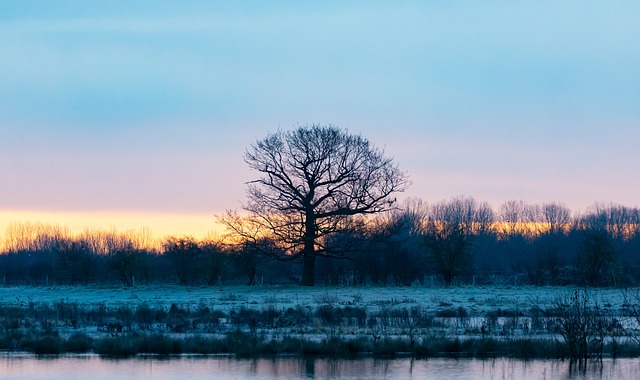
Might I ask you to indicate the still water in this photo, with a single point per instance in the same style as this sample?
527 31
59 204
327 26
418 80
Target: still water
28 367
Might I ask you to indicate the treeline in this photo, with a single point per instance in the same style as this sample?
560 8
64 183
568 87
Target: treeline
457 241
463 241
43 254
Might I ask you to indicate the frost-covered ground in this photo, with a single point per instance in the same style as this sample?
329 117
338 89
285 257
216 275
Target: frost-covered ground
476 300
147 316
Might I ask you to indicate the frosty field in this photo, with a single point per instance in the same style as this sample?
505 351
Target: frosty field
496 321
476 300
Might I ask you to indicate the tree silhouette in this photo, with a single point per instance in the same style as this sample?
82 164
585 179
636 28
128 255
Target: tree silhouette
183 253
312 179
450 229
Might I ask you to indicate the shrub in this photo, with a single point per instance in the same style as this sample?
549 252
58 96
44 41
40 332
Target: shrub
201 345
159 344
117 346
47 345
355 313
78 342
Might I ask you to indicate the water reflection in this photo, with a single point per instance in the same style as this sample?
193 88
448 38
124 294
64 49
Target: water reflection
29 367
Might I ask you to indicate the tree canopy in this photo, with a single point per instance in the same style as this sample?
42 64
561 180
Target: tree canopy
313 179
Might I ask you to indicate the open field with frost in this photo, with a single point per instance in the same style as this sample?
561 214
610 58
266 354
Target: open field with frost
477 321
476 300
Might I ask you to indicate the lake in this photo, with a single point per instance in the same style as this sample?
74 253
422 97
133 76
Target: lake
29 367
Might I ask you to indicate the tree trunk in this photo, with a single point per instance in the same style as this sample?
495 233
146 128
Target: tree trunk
308 269
309 249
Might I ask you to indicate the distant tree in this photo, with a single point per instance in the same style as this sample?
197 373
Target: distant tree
596 254
411 216
249 255
400 240
32 237
557 216
520 219
214 261
183 254
76 260
123 251
123 261
312 178
452 224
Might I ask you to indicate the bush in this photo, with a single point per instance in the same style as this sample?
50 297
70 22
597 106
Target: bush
159 344
117 346
201 345
47 345
78 342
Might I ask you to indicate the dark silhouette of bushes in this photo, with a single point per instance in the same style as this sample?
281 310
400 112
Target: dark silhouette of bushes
460 241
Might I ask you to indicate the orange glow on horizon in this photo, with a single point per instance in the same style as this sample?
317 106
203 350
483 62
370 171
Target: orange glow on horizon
159 224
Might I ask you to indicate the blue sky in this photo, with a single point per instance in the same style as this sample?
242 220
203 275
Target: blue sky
148 105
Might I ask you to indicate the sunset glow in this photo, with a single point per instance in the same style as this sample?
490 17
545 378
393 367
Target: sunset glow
160 225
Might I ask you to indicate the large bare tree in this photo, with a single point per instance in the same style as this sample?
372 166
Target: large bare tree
313 180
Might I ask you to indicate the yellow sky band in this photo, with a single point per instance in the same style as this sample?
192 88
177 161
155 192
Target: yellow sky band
160 224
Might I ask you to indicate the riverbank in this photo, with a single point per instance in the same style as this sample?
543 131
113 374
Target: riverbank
524 322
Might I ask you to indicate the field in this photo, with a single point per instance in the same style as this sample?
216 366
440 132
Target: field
476 300
475 321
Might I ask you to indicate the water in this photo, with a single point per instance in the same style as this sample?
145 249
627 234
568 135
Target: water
28 367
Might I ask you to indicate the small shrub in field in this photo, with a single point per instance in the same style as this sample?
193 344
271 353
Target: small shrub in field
78 343
47 345
125 315
177 319
355 314
269 315
232 297
357 297
459 312
357 345
202 345
145 315
421 318
117 346
530 348
271 300
328 314
210 318
66 311
455 347
159 344
326 298
243 344
246 317
99 315
488 347
391 346
296 316
446 313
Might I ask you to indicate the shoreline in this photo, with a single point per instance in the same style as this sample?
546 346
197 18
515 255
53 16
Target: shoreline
523 322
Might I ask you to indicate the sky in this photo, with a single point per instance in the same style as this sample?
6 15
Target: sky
137 113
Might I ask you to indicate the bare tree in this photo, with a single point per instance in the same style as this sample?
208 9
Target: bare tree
183 253
312 178
520 218
32 237
597 254
214 260
557 216
413 214
450 229
583 324
124 251
76 260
